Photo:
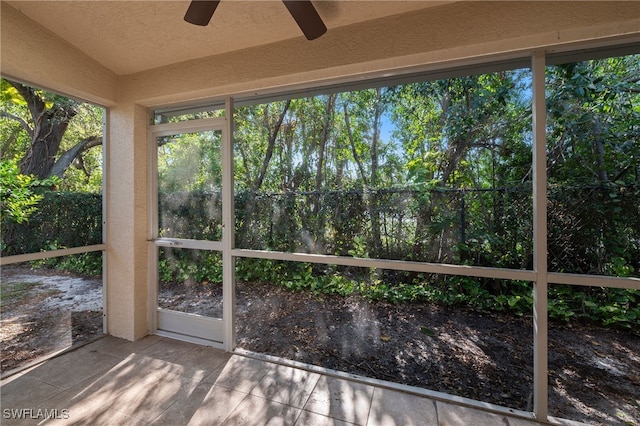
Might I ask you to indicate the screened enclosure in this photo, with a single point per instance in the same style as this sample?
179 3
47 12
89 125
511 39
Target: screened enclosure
364 218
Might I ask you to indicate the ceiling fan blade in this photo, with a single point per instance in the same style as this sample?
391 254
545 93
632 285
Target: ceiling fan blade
200 12
306 17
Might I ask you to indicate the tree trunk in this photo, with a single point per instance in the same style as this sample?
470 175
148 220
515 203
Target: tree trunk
49 125
598 148
46 130
373 201
320 175
40 157
273 135
70 155
354 149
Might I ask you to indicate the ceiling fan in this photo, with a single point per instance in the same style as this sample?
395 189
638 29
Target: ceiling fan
303 11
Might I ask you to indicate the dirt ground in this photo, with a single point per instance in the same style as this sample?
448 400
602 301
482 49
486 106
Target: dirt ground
44 313
594 372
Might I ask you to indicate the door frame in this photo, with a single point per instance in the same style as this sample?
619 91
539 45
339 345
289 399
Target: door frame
174 324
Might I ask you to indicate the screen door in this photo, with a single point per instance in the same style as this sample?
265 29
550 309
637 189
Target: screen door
188 227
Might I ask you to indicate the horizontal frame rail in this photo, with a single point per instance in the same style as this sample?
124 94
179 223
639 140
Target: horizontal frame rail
170 129
28 257
398 265
188 244
438 268
594 280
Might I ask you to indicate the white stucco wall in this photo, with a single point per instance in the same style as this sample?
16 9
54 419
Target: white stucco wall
33 55
127 222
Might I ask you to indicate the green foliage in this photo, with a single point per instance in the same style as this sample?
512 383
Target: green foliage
84 264
22 134
594 116
17 197
18 193
196 215
15 292
86 172
63 220
190 162
608 306
594 229
189 266
458 155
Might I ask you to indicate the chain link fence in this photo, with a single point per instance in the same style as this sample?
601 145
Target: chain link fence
591 229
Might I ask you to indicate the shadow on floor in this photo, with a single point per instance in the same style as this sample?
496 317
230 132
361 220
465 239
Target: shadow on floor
161 381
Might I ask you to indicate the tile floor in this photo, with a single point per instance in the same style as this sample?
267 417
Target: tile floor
166 382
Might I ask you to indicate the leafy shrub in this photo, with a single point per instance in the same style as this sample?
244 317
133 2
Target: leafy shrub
84 264
62 220
19 196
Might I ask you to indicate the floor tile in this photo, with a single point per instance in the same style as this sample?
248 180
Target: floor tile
393 408
168 349
120 347
256 411
107 386
77 410
141 386
291 386
207 405
148 398
26 391
203 358
162 368
167 382
29 412
307 418
455 415
73 368
513 421
241 373
341 399
108 417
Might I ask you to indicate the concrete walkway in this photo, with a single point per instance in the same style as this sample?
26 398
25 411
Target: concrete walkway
167 382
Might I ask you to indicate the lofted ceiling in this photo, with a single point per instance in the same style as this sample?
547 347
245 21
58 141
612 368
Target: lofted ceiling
133 36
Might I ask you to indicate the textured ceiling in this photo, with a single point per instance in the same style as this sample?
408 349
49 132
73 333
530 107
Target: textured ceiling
132 36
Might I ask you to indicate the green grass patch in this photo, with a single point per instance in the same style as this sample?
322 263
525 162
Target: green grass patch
18 293
15 292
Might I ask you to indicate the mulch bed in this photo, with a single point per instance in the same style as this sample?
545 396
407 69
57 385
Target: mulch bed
594 372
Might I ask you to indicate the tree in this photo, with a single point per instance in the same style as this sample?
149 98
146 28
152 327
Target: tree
18 199
594 121
250 139
45 118
363 112
455 133
594 168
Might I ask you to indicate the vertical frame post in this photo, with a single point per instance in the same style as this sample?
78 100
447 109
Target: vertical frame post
152 233
540 326
105 192
228 227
